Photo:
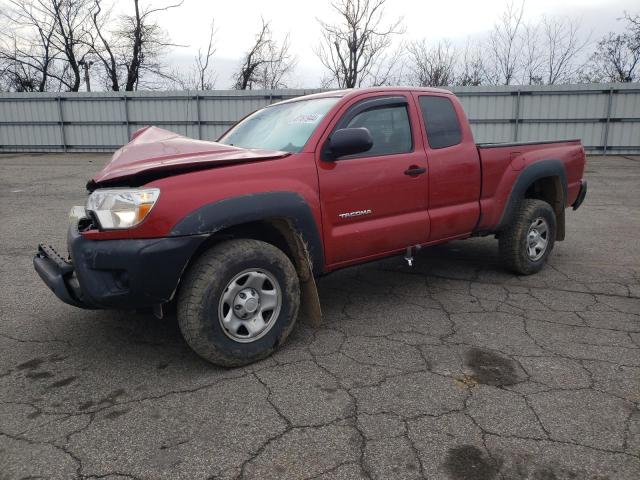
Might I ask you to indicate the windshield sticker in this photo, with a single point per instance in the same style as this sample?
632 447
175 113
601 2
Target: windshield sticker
306 118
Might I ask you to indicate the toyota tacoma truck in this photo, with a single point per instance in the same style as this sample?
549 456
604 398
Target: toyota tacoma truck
235 231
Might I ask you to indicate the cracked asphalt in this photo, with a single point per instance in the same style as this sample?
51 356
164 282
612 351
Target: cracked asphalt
454 369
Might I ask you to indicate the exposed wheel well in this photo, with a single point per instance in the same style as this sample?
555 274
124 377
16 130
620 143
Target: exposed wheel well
550 190
278 232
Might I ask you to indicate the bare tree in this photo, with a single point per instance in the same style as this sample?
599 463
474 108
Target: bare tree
52 43
201 75
617 56
130 49
279 64
562 47
390 69
102 48
471 67
44 42
254 59
352 48
205 76
28 51
144 41
505 44
70 18
266 64
532 55
547 52
432 66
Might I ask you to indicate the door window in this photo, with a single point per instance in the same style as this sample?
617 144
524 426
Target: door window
389 128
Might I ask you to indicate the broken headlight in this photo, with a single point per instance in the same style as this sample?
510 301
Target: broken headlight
118 208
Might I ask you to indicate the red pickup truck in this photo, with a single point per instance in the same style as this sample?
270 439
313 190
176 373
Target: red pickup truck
236 230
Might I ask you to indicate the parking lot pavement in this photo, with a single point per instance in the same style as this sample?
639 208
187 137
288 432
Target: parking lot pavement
453 369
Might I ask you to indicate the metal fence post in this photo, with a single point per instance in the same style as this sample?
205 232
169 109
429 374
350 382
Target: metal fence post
126 117
515 130
198 117
188 99
61 121
606 125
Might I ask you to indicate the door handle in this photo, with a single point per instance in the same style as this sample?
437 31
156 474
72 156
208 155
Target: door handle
414 171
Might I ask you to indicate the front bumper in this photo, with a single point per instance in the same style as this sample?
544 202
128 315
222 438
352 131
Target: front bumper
119 274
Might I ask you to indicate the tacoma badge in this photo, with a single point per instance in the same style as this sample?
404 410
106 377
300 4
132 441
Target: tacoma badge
357 213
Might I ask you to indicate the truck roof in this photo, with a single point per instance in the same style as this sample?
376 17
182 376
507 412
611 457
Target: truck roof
349 92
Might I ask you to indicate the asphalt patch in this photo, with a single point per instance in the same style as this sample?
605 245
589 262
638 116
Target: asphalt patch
489 368
467 462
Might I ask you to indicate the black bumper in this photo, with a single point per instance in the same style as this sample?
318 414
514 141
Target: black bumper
121 274
581 194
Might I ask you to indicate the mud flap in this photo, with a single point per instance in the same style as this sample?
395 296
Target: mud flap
310 310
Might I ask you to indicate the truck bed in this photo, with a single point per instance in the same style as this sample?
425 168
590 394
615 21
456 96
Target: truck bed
502 163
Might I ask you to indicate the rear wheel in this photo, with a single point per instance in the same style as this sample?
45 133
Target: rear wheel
527 242
238 302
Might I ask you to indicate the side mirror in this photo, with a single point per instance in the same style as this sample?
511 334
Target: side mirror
349 141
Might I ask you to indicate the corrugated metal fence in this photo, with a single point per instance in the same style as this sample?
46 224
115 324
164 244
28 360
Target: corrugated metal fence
605 117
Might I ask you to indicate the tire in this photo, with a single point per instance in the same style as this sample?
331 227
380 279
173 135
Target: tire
234 279
522 253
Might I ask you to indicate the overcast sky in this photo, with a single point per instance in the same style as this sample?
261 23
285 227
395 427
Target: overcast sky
238 20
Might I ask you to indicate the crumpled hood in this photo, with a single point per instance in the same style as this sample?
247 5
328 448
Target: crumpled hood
152 150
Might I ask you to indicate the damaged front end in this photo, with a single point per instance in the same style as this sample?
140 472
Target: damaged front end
108 267
118 274
59 275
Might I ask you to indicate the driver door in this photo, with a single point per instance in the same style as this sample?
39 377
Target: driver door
375 203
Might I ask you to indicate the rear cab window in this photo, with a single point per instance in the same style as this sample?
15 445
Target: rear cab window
441 121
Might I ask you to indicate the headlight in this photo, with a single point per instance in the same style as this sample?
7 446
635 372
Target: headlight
122 207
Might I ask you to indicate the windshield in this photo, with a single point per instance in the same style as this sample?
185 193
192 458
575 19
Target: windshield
285 127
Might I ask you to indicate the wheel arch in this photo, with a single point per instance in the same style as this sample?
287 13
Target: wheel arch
266 208
543 180
282 219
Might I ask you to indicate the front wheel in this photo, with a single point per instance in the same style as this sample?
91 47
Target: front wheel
527 242
238 302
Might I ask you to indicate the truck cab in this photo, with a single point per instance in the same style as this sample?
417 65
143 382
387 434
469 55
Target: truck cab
408 189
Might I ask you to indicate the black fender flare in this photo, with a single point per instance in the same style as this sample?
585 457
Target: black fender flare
216 216
535 171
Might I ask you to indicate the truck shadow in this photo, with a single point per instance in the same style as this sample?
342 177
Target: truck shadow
458 260
143 337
